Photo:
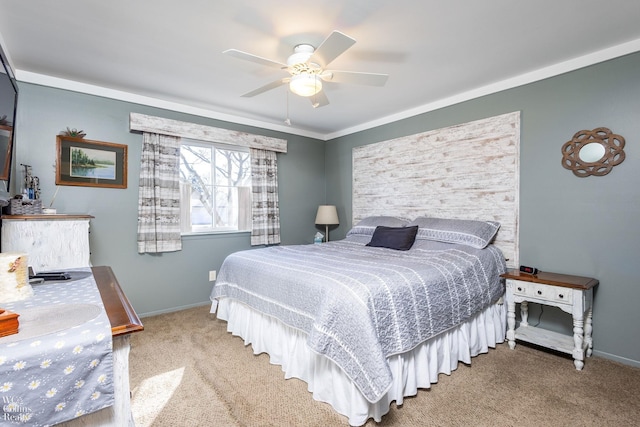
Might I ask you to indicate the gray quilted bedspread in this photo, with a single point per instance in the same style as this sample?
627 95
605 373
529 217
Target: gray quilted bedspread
361 304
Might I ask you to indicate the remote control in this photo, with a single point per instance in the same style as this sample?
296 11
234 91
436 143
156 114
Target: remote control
54 275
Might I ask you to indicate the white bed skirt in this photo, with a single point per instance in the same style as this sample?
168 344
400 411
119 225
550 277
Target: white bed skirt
412 370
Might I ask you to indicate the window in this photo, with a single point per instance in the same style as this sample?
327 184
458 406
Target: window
215 188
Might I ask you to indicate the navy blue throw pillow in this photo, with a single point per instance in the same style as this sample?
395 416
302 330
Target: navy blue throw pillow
398 238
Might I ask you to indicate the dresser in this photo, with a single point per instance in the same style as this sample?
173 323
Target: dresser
572 294
51 241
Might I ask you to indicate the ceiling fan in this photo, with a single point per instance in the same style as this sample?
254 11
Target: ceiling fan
307 69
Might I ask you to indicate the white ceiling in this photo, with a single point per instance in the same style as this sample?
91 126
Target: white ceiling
168 53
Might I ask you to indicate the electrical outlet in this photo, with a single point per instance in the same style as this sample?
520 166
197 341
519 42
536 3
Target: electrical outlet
212 275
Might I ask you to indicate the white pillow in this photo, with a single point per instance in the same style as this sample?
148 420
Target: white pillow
368 225
477 234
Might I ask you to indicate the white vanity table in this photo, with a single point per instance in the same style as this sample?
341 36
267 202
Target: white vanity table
572 294
51 241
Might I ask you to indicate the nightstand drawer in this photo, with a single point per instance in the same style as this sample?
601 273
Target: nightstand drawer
539 291
522 288
551 293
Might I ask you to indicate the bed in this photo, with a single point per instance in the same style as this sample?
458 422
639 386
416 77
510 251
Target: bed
358 306
372 318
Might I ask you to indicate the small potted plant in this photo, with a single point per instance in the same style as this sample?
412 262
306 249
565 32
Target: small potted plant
74 133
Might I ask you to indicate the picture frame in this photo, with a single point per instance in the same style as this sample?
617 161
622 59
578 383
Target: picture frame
6 148
87 163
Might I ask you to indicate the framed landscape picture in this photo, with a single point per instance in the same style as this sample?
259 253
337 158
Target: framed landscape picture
90 163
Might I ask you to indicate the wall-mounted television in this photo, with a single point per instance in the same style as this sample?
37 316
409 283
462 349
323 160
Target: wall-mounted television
8 105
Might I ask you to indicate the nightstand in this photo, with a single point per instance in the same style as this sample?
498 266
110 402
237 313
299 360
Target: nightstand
572 294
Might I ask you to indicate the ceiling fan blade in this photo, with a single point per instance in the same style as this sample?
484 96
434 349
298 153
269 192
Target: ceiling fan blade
267 87
319 99
368 79
332 47
254 58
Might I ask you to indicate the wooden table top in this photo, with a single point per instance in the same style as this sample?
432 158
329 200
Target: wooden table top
123 318
555 279
46 217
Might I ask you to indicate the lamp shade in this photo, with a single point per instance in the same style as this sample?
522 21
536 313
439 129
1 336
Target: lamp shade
327 215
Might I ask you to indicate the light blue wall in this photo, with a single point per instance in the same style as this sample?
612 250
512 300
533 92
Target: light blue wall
582 226
153 283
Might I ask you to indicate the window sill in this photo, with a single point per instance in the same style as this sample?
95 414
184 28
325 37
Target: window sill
214 233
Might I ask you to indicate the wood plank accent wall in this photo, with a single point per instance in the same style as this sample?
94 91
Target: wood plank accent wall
466 171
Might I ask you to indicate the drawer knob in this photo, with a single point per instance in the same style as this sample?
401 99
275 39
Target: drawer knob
539 292
561 296
519 289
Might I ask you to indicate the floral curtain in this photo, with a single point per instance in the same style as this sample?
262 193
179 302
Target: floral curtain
265 212
159 195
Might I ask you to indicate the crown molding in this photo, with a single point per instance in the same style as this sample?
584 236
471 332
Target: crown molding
523 79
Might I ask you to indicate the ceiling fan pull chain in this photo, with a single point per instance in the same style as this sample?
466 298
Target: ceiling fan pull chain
287 121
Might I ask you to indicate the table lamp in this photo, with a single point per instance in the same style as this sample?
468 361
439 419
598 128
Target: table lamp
327 215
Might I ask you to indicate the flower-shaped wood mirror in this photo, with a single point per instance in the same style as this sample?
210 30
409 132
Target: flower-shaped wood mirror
593 152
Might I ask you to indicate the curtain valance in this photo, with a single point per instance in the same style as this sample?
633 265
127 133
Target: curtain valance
160 125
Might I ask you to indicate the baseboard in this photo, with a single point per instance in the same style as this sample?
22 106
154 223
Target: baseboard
616 358
172 309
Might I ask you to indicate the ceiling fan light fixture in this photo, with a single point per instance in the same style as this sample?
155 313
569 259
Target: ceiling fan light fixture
305 84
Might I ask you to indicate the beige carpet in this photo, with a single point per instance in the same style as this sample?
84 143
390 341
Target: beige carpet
186 370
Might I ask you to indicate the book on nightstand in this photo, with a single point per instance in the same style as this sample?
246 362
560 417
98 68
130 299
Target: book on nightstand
8 323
